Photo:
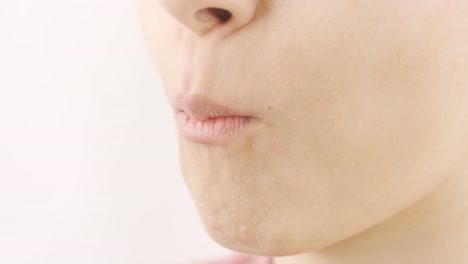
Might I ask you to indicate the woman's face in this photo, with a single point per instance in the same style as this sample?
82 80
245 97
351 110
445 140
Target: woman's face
361 108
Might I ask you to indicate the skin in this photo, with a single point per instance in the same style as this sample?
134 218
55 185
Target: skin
360 149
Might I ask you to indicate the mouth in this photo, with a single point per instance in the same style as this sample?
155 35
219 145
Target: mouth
206 121
215 130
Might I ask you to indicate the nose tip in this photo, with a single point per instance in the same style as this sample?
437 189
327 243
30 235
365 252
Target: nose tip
202 16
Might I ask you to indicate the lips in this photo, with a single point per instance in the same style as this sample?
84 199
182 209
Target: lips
206 121
201 107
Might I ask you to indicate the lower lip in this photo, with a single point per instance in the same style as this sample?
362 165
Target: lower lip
214 130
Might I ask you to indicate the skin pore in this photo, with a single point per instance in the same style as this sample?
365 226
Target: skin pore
359 153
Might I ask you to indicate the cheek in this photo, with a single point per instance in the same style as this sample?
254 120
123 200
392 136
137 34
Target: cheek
374 125
421 86
361 99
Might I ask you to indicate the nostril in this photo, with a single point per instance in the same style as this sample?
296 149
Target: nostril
222 14
208 13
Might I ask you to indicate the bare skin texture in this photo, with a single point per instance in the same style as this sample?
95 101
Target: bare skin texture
360 152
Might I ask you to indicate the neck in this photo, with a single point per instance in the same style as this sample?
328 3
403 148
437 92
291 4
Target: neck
433 230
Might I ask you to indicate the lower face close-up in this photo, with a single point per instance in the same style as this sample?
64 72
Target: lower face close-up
303 123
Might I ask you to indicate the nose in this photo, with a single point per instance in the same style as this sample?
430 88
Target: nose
203 16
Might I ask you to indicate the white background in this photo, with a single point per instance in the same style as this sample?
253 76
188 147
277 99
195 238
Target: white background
88 153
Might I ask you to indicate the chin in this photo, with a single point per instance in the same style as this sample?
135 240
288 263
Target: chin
272 246
256 235
245 243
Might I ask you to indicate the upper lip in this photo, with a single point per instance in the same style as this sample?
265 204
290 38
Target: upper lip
202 107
